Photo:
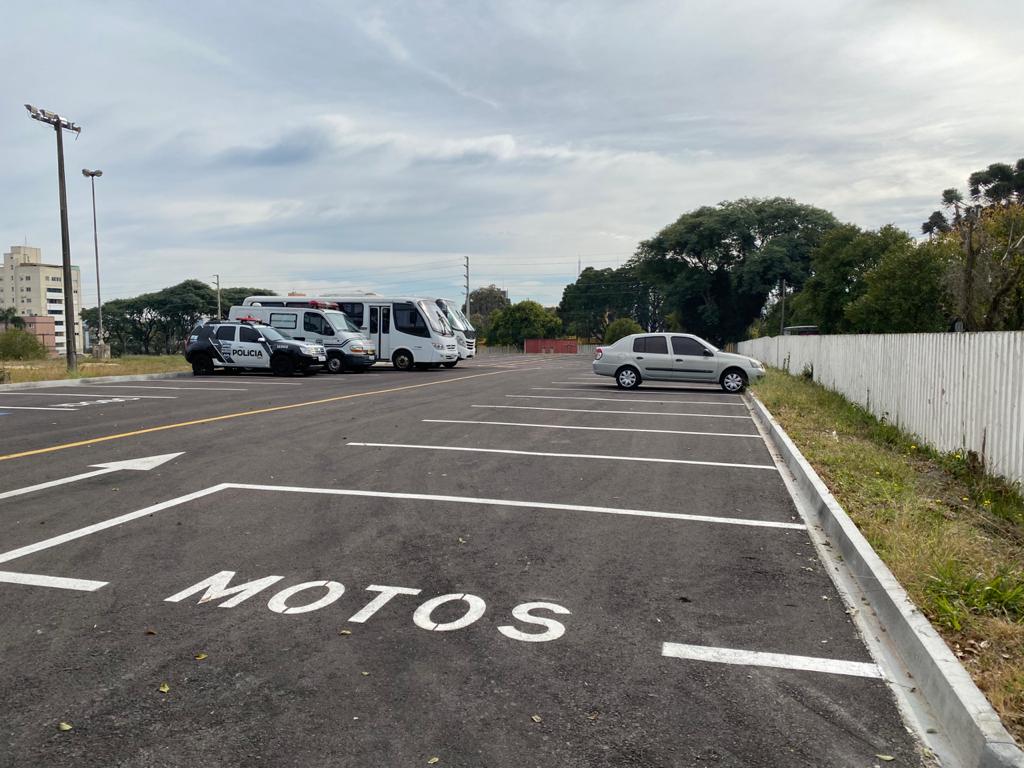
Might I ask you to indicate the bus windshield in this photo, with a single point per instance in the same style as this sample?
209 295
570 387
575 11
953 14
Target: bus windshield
340 321
455 316
438 322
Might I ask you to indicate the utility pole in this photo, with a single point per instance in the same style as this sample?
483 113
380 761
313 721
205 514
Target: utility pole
782 293
217 278
467 286
101 353
579 266
59 126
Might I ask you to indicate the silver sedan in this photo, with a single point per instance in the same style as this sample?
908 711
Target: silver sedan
674 357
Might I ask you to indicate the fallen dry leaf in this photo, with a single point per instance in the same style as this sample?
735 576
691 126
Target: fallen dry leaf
433 760
200 656
344 631
885 758
150 631
535 718
365 674
164 688
62 726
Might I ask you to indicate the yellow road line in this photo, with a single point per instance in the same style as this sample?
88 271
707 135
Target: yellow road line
226 416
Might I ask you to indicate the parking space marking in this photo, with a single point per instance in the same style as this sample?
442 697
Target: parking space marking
236 415
54 582
777 660
86 394
88 530
597 429
602 457
625 399
36 408
628 413
139 386
625 393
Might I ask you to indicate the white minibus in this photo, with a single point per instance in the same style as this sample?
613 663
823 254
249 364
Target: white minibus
410 332
465 333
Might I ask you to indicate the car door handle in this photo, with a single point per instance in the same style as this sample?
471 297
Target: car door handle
639 357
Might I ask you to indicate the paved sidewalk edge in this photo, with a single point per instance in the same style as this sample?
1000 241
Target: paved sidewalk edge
973 729
85 382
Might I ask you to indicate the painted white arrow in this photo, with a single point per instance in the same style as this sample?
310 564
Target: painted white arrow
145 464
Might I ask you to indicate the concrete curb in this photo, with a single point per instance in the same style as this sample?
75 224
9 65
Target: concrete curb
93 380
973 733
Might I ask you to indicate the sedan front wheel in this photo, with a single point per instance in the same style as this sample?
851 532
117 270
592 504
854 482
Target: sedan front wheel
734 381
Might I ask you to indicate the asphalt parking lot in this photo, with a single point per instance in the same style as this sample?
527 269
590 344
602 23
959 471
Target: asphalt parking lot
511 563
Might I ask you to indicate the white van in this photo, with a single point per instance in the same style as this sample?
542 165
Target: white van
411 332
347 348
465 333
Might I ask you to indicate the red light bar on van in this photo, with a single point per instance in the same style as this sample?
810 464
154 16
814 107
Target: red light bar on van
249 320
314 304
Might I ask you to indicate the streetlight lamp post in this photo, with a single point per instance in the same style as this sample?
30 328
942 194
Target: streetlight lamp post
60 125
100 353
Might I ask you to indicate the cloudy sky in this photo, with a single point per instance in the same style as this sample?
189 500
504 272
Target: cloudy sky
331 146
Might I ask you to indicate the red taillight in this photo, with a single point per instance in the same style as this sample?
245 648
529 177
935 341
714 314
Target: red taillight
598 353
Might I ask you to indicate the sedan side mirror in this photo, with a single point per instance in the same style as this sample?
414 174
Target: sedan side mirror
708 352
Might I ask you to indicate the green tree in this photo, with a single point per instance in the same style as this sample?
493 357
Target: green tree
719 266
17 344
600 296
521 321
906 292
484 301
620 328
839 265
987 277
9 318
233 297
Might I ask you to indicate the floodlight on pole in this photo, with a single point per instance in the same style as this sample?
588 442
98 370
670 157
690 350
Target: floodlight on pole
92 175
60 125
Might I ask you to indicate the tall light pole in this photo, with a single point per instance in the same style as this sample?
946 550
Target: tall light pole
217 278
467 287
91 175
60 125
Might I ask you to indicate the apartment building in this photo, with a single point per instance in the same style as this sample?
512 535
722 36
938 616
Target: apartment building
36 289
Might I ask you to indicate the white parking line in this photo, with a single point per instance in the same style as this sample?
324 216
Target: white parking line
625 399
87 394
55 582
79 533
628 413
602 457
778 660
34 408
138 386
597 388
598 429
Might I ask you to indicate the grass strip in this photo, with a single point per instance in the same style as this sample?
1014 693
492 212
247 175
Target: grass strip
952 535
56 368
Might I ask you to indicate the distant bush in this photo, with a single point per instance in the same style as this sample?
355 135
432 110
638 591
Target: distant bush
16 344
621 328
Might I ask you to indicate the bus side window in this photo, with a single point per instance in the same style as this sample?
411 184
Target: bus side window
385 319
373 319
354 310
409 320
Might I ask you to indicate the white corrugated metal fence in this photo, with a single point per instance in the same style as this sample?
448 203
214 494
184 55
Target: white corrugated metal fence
954 390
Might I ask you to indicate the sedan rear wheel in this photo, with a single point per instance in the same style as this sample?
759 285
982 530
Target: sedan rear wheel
628 378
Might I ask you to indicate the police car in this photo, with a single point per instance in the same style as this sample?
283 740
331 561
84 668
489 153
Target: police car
243 345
